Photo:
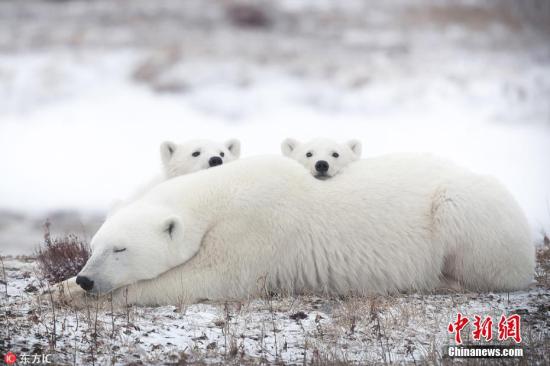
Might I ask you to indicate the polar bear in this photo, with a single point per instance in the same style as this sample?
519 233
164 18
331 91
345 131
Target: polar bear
195 155
185 158
396 223
324 158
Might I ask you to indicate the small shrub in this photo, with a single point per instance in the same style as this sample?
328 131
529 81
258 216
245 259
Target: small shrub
61 258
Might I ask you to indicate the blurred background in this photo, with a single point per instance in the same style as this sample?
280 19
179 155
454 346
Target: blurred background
89 89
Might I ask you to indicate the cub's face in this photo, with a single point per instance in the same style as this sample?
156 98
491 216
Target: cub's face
136 243
322 157
195 155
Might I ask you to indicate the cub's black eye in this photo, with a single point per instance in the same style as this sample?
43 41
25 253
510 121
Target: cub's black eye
222 154
309 154
119 250
335 154
196 153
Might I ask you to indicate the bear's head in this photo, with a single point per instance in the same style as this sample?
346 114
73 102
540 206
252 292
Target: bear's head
195 155
136 243
324 158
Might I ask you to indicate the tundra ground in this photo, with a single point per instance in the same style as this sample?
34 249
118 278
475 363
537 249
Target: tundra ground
409 328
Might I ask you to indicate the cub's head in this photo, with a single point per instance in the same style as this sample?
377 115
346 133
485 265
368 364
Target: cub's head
322 157
136 243
195 155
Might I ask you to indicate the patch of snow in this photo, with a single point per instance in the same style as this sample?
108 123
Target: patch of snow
94 137
400 328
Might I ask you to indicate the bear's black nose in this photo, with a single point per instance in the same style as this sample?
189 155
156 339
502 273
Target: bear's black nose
321 166
84 282
216 160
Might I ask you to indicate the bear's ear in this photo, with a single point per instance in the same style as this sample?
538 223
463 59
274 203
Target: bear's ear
172 227
288 146
167 149
234 147
356 147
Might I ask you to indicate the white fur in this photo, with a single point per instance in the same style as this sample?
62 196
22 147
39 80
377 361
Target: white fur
397 223
322 150
178 159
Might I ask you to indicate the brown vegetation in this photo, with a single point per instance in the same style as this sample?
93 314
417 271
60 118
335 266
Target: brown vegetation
61 258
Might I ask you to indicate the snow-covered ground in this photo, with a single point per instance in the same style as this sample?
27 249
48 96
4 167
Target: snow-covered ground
80 124
304 329
87 93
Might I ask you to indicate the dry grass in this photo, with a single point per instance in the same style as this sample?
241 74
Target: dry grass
319 330
61 258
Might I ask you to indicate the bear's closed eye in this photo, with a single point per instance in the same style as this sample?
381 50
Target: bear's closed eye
119 250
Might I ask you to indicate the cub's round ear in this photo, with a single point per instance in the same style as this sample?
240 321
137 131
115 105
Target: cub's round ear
234 147
172 226
167 149
288 146
356 147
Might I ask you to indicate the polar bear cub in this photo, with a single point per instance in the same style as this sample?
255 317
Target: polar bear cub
324 158
185 158
195 155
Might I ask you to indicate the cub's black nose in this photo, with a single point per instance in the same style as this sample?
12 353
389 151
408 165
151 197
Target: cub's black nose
84 282
321 166
216 160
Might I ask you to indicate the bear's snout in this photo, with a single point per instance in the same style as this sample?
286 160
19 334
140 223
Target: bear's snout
321 166
214 161
84 282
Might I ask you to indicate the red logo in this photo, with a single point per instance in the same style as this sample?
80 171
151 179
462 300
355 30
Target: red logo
457 326
10 358
508 327
483 329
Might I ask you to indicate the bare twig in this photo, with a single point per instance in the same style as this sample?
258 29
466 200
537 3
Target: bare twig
75 336
6 303
5 282
269 298
225 329
95 322
127 308
112 317
54 327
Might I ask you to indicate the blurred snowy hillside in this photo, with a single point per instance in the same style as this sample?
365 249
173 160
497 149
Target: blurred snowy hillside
89 89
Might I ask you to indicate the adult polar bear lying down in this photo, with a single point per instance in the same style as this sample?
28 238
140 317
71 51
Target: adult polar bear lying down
385 225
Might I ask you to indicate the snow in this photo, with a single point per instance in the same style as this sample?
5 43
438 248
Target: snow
400 328
77 132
